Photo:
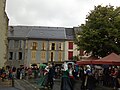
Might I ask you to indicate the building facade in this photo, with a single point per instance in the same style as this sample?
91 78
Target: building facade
70 47
3 33
30 45
34 45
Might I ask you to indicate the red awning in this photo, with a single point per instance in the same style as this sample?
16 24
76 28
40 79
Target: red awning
84 62
112 59
87 61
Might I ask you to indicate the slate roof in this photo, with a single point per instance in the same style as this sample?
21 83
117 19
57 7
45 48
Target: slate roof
18 31
36 32
47 34
69 33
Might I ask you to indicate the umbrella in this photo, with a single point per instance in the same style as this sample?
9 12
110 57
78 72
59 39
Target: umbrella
34 64
72 63
43 65
98 67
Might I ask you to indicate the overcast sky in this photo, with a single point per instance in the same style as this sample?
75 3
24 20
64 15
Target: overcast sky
57 13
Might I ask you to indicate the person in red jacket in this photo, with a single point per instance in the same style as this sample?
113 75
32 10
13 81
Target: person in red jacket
114 77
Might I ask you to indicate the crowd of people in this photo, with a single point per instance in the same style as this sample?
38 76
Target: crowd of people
108 76
89 75
7 73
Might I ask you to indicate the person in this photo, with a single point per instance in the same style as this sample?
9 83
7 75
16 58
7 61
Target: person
51 76
89 80
83 77
71 73
118 79
114 75
18 73
10 73
14 72
22 71
76 69
106 76
3 74
43 79
65 66
65 80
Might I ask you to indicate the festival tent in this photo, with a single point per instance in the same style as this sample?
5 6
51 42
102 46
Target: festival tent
111 59
84 62
87 61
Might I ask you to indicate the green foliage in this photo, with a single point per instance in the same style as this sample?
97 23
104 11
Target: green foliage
75 58
101 32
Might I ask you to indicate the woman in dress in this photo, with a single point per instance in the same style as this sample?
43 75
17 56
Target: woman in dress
65 82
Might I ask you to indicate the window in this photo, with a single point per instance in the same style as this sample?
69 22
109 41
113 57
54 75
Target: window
20 56
60 46
34 45
70 55
10 55
70 45
53 46
60 56
20 44
33 55
43 45
16 43
51 56
43 55
10 44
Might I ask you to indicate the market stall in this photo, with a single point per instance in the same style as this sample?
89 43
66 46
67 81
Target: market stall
111 59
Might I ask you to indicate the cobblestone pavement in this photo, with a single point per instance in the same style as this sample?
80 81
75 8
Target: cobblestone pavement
8 88
6 85
57 85
25 85
77 85
20 85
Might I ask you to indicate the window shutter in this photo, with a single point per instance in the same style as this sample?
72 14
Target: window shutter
70 55
44 47
70 46
50 46
26 45
61 46
55 46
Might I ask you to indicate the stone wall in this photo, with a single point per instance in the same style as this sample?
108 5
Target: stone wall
3 33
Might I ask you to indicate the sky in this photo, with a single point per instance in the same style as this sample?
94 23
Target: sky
54 13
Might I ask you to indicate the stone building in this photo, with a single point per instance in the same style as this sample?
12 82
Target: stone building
29 45
70 47
3 33
34 45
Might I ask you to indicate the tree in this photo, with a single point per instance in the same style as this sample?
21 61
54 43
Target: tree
101 32
75 58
